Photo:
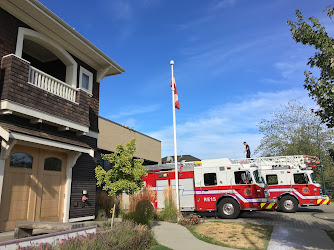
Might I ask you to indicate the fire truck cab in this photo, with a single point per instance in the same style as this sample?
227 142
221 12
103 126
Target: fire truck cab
290 179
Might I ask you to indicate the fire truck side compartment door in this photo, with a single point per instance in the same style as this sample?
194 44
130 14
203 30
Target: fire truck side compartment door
198 176
186 193
161 184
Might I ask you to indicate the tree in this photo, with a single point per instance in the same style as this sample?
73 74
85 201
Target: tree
126 172
292 130
320 88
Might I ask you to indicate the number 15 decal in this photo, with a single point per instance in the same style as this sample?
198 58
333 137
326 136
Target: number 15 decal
209 199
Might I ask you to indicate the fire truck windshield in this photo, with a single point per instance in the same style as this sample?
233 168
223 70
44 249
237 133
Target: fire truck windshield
257 176
313 178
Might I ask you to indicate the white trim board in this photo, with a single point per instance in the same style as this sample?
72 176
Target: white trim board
82 218
33 139
93 134
27 111
55 48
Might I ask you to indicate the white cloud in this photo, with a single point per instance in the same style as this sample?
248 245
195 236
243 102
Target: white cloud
289 69
221 131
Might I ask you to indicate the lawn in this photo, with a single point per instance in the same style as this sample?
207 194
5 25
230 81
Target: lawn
234 235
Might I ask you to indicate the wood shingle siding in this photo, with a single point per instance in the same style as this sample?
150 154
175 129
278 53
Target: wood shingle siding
8 32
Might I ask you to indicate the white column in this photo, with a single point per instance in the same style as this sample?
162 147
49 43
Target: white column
2 172
6 147
71 160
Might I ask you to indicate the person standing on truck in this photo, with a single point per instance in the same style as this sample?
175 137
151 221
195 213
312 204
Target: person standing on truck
247 150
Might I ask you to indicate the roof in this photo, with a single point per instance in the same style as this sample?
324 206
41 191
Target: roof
180 158
126 127
40 18
11 130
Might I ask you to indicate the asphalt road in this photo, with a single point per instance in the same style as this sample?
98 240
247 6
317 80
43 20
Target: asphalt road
313 217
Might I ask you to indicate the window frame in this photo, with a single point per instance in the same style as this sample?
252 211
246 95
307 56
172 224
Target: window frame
214 180
271 175
59 161
90 81
30 156
303 178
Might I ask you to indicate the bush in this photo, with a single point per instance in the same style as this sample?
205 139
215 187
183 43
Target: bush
141 209
125 235
192 219
104 205
143 214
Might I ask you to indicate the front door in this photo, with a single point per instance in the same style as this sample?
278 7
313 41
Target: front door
33 187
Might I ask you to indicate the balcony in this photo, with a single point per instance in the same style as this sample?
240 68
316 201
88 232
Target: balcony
52 85
29 92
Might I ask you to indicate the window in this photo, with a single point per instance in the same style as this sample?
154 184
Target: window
210 179
21 160
313 178
257 176
243 177
52 164
86 80
272 179
300 178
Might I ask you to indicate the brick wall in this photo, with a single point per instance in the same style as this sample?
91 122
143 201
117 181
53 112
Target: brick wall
15 87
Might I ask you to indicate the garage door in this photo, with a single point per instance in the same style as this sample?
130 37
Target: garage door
33 187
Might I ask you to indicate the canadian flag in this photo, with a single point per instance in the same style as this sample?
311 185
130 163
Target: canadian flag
176 98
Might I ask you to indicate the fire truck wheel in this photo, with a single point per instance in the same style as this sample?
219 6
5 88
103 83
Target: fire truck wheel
288 204
228 208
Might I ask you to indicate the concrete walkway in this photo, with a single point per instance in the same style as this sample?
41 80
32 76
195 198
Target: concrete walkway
178 237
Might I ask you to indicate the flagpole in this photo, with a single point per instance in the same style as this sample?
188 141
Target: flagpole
175 149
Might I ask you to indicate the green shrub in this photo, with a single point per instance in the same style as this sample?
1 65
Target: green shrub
144 213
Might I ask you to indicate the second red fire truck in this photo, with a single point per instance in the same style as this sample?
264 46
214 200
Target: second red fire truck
290 179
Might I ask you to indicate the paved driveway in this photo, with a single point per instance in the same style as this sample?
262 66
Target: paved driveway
316 217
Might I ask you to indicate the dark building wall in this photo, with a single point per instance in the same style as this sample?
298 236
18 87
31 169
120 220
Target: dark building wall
94 100
83 178
9 26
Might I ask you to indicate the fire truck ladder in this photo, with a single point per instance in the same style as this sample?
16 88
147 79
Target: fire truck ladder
171 166
291 161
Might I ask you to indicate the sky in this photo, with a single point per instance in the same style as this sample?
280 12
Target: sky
235 64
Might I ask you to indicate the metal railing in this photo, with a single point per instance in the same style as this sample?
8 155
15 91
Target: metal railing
51 84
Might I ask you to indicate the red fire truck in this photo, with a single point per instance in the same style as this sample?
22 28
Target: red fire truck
290 181
210 185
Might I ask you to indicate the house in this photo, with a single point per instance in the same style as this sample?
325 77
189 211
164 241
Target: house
186 158
49 104
113 134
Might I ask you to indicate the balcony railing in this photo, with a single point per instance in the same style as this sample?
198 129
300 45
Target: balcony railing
44 81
